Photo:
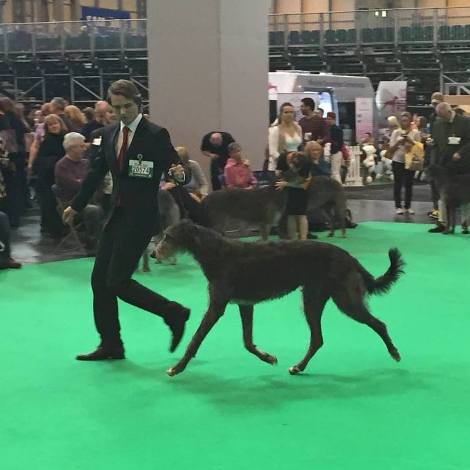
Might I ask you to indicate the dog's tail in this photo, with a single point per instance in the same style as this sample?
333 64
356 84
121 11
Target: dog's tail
382 284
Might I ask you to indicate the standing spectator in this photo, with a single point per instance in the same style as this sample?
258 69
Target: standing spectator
402 138
13 132
320 167
57 106
335 138
314 127
215 146
436 98
451 140
196 183
76 118
284 136
50 152
6 261
295 173
237 171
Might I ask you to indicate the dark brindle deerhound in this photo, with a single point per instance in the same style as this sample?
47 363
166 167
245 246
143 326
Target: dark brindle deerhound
248 273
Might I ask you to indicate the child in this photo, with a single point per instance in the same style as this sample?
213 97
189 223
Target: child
294 170
237 172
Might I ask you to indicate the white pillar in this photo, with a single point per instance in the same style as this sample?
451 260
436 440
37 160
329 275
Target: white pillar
208 71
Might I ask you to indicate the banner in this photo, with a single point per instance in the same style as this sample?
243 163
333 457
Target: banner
92 13
390 99
364 117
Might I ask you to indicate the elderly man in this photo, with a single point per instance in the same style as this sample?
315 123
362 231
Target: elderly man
215 146
451 140
70 172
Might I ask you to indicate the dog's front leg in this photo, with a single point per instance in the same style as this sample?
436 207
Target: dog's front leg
215 311
246 313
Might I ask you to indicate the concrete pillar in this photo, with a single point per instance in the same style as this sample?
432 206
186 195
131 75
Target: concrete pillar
58 9
208 71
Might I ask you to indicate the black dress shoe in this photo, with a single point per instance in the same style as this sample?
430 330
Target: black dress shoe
177 323
437 229
102 354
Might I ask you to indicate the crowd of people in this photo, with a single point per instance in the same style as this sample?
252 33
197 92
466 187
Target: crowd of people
49 151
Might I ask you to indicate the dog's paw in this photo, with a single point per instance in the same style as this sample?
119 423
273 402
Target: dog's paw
294 370
146 269
171 371
270 359
395 355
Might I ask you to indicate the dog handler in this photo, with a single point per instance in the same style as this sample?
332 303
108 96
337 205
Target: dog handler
137 152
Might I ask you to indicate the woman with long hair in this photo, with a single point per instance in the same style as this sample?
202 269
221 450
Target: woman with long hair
76 117
50 151
284 136
400 141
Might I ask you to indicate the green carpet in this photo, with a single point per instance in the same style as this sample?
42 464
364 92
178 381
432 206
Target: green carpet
354 408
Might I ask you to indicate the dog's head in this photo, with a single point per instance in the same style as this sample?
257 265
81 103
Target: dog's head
176 238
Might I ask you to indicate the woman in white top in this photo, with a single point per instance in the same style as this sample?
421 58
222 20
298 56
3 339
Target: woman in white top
405 134
285 135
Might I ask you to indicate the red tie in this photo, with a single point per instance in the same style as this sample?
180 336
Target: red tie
122 150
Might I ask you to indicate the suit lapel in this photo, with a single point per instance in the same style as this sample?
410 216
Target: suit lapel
136 139
114 132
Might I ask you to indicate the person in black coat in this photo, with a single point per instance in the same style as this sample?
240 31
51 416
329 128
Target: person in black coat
137 152
50 151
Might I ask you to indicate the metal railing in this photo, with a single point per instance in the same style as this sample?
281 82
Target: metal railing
388 26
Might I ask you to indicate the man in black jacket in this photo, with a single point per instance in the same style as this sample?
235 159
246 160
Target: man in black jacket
335 138
137 152
451 141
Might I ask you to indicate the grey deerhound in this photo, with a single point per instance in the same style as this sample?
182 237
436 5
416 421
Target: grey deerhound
248 273
264 207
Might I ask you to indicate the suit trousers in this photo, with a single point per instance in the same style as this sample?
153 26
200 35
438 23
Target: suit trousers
120 248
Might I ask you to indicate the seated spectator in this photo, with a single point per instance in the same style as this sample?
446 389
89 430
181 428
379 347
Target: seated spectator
196 183
70 171
319 167
6 261
237 171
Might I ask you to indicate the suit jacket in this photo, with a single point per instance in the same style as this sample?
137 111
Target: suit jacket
442 130
137 195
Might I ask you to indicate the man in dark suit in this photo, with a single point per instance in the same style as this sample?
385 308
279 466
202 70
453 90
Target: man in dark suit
137 152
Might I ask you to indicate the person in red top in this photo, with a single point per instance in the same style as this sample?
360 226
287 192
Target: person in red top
237 171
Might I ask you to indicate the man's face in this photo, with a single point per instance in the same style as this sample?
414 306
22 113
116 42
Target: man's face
330 121
305 110
126 110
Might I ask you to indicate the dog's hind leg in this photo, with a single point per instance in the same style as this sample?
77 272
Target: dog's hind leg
352 304
314 300
264 230
215 311
246 313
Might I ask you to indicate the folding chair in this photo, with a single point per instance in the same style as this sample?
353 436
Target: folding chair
73 235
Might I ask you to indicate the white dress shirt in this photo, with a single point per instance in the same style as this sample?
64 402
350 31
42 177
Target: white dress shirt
132 128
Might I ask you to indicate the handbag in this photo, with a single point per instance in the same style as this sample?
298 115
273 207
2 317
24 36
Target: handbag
414 158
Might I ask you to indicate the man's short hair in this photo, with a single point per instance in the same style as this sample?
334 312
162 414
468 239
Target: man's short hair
72 138
437 97
127 89
331 115
59 102
309 103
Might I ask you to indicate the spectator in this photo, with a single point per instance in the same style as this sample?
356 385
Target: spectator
6 261
451 140
195 183
76 118
295 174
13 132
402 138
436 98
314 127
50 152
237 171
57 106
215 146
70 171
319 166
335 138
284 136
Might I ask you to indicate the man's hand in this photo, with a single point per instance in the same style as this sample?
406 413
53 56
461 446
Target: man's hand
168 185
456 157
68 215
280 185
